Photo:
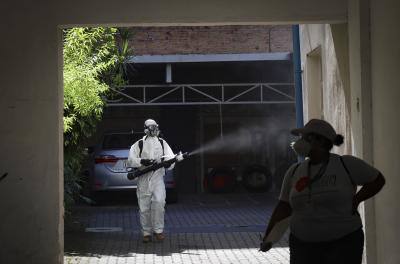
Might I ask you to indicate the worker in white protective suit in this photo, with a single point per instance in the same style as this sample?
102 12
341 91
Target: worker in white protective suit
150 186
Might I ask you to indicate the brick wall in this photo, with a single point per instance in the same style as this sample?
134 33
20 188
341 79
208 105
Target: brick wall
210 39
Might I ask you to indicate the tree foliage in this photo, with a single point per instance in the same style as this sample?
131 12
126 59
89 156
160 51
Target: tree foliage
93 61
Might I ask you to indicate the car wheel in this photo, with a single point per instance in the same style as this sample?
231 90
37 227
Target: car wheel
256 178
221 180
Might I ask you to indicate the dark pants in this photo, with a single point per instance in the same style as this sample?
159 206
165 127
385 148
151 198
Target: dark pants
345 250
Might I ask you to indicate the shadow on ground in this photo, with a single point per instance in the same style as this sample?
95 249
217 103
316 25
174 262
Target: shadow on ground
129 244
197 223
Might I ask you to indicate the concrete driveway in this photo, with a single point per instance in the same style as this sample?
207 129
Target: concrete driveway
205 228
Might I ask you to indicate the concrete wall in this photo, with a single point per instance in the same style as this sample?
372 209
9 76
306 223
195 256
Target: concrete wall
324 85
31 198
211 40
385 58
31 100
361 104
176 12
359 72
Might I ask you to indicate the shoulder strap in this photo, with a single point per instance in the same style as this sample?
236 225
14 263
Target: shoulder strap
162 145
347 171
140 147
293 172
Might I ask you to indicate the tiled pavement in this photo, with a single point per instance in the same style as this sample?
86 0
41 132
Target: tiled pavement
199 229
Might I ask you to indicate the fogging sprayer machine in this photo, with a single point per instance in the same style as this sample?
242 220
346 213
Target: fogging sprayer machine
133 173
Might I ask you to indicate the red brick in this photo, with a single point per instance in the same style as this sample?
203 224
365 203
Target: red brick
210 40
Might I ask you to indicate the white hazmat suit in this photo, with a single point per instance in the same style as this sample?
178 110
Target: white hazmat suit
150 186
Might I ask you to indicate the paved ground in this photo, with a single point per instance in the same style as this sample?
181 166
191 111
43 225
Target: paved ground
199 229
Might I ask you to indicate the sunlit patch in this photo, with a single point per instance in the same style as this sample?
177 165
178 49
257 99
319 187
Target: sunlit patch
103 229
227 255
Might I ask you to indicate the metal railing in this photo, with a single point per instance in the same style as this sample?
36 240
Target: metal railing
202 94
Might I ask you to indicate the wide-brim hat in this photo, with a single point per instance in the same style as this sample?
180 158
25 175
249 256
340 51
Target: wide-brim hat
317 126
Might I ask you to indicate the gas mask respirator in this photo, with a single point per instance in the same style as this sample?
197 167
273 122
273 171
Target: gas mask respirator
301 147
152 130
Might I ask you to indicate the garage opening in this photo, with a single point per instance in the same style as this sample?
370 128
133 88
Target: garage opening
225 94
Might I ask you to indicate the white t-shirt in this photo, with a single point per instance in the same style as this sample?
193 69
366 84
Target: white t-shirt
325 212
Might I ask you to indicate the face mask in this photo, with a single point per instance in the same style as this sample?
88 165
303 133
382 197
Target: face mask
301 147
152 131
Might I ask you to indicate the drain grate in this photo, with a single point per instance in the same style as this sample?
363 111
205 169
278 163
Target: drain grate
103 229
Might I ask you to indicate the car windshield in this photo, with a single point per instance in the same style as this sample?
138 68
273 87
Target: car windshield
119 141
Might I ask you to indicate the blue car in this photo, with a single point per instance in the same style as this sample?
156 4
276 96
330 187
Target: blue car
108 167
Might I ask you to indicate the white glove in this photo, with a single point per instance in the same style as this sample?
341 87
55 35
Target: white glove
158 161
179 156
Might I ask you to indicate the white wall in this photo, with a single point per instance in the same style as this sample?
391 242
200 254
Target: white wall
335 106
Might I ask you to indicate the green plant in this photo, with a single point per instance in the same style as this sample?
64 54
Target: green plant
93 62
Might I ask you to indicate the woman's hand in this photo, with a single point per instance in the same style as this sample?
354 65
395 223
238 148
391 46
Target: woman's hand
367 191
265 246
281 211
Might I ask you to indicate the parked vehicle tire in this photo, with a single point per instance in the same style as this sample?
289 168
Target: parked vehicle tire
221 180
256 178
